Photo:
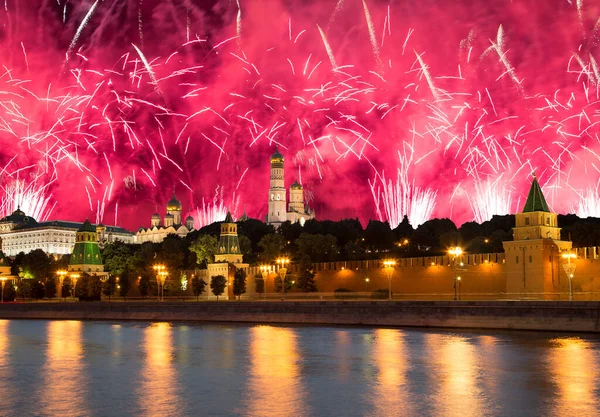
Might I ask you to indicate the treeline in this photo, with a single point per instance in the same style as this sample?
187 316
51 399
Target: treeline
317 241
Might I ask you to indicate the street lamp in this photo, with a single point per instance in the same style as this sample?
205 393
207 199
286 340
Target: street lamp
389 265
3 279
74 278
61 277
282 262
458 285
161 277
367 283
455 252
264 273
570 271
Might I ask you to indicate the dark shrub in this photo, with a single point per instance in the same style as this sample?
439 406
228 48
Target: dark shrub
380 294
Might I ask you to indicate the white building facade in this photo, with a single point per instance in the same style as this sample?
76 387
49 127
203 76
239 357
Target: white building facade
171 224
21 233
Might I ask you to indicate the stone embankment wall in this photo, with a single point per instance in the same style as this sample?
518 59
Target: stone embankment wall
523 315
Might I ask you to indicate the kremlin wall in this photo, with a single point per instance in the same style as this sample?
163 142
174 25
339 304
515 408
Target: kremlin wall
536 264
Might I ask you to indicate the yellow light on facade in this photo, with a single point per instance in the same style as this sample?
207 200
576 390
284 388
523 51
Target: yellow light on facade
569 255
456 251
389 263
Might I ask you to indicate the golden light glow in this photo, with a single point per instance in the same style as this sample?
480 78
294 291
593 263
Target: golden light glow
574 368
282 261
458 368
7 387
159 377
569 256
388 263
275 384
456 251
65 382
389 357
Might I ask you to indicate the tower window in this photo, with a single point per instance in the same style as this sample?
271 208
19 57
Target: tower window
530 259
526 221
548 221
517 260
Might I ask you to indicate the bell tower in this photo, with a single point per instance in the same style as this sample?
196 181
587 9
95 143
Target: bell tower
532 258
277 192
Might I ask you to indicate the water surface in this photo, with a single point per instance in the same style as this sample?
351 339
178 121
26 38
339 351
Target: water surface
72 368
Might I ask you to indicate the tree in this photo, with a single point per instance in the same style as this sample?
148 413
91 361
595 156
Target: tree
259 282
205 247
378 236
288 283
144 286
94 288
217 285
9 291
35 264
50 287
316 248
37 290
306 281
198 286
109 286
246 248
124 284
271 247
239 283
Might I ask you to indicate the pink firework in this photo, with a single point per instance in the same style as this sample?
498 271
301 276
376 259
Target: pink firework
109 104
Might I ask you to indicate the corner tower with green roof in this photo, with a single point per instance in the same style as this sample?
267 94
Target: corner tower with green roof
228 257
86 252
533 257
229 244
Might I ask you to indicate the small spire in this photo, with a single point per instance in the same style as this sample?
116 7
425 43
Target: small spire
533 173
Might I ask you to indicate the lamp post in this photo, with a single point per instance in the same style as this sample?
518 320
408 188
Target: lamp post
570 271
455 252
282 262
161 277
61 277
3 279
389 265
74 278
264 273
458 285
367 284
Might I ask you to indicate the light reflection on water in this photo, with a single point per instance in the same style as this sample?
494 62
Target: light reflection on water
65 380
390 358
158 390
70 368
574 368
275 385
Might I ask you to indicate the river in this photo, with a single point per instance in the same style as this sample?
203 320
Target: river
73 368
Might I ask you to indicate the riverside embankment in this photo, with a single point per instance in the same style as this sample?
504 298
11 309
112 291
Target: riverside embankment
521 315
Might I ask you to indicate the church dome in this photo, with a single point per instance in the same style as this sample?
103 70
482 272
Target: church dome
296 186
156 216
277 159
18 216
173 204
189 219
169 216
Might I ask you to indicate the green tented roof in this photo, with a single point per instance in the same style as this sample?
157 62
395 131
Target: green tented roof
228 219
535 199
87 227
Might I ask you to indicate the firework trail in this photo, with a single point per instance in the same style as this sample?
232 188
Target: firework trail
480 104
